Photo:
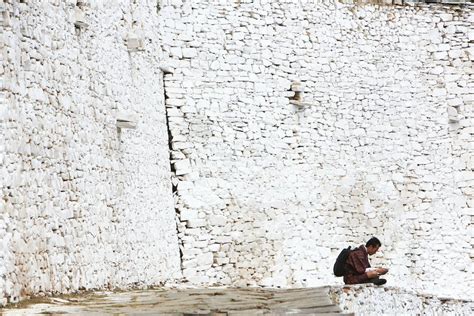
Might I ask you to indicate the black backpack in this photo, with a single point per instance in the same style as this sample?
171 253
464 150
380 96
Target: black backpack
339 265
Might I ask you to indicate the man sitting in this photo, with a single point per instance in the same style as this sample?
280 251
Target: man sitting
358 268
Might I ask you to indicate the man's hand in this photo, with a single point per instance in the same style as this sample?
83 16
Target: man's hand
381 271
372 274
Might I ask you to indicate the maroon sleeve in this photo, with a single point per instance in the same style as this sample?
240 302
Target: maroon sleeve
358 263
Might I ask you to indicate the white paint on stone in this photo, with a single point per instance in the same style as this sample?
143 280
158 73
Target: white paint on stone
84 205
372 300
383 149
267 192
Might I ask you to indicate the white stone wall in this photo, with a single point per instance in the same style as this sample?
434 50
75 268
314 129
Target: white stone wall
269 192
372 300
84 205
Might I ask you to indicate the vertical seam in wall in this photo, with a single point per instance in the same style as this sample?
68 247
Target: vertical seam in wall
174 191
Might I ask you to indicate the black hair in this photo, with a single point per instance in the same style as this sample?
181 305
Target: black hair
374 241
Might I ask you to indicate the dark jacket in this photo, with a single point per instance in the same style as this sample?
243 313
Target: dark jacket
356 264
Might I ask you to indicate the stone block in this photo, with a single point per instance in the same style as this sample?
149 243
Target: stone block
182 167
191 223
218 220
189 52
205 259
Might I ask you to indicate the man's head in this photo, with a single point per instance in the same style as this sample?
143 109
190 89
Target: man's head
373 245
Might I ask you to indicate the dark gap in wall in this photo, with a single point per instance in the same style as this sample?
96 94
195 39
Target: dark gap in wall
170 148
158 6
174 187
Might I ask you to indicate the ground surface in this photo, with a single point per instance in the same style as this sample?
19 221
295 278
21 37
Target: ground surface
217 301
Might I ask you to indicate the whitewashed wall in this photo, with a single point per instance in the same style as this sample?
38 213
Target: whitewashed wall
268 193
368 300
83 205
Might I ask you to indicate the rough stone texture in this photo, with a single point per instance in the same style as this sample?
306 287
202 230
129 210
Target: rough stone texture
174 302
84 205
354 300
269 191
372 300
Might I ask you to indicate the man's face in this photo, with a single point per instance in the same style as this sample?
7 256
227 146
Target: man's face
371 250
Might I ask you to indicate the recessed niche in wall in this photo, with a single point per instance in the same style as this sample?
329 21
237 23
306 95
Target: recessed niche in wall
298 89
453 114
126 120
134 42
80 18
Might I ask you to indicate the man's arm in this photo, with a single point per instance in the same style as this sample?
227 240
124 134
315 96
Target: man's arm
359 264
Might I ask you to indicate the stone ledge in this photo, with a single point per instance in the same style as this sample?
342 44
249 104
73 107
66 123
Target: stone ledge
368 299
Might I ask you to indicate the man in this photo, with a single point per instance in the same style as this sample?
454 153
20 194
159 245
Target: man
358 268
